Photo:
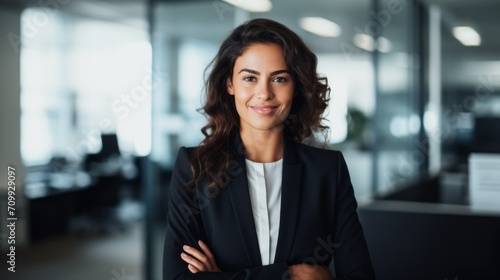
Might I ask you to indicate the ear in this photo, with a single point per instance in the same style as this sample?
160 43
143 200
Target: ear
229 86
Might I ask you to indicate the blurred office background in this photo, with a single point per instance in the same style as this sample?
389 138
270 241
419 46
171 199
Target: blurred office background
98 95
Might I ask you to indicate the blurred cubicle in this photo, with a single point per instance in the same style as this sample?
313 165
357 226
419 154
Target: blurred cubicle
98 96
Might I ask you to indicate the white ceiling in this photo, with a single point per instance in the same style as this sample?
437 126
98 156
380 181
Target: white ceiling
351 15
201 18
482 15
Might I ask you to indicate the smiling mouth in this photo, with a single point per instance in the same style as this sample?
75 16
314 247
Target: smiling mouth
264 110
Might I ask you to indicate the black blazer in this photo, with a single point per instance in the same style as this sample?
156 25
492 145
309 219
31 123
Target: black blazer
318 219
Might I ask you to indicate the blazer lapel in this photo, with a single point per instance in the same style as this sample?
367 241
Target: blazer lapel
242 207
290 200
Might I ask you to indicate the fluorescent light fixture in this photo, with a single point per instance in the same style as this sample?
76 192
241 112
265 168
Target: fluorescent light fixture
367 43
467 36
384 45
364 42
254 6
320 26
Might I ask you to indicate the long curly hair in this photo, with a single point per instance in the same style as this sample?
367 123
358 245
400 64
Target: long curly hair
311 95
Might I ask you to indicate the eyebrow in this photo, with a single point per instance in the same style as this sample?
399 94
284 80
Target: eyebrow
258 73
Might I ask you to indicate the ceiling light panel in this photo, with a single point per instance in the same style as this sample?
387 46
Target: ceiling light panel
320 26
254 6
467 35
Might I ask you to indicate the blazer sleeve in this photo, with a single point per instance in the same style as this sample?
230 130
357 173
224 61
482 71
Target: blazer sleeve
185 227
351 257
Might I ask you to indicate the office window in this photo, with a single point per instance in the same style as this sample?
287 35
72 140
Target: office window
81 77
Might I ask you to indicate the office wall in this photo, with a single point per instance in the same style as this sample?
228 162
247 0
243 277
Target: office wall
10 155
9 94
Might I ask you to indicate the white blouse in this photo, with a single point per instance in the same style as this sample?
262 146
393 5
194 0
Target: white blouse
264 183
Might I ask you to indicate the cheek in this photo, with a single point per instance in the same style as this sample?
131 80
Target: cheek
243 96
240 102
288 96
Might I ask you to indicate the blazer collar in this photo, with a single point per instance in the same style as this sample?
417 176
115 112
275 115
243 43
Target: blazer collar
290 201
289 152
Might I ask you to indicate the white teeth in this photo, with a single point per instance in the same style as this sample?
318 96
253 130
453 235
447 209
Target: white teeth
263 109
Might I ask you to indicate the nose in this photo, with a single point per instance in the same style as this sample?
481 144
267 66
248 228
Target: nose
264 90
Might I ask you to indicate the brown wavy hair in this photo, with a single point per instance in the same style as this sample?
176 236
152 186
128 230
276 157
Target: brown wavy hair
213 156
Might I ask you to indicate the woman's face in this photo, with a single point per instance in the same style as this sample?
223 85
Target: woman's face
262 86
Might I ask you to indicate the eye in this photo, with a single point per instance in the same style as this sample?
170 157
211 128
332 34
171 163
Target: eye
249 79
279 80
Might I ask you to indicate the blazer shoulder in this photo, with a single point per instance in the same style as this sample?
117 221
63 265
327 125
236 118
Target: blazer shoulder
319 153
184 156
186 151
182 167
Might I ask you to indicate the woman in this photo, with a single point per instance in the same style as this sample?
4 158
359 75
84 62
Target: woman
252 201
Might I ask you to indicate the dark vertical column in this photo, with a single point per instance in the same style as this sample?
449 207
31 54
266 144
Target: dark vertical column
420 94
148 176
172 55
376 116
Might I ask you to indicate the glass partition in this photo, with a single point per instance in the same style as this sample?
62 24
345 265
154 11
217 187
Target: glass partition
398 153
470 75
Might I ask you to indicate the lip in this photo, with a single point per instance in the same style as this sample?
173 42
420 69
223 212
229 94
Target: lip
264 109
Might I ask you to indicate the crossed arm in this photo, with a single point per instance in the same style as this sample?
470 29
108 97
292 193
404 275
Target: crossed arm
199 261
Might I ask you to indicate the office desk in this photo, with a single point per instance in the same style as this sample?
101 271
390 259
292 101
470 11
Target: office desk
54 210
412 234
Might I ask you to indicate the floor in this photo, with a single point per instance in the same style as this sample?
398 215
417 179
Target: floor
84 256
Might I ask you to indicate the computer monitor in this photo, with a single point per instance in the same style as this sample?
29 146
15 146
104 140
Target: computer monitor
486 136
109 146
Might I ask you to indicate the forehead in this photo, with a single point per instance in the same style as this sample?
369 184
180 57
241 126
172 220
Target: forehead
262 56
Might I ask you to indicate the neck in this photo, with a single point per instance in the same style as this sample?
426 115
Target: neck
263 145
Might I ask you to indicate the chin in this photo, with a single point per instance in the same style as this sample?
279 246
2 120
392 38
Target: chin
268 127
